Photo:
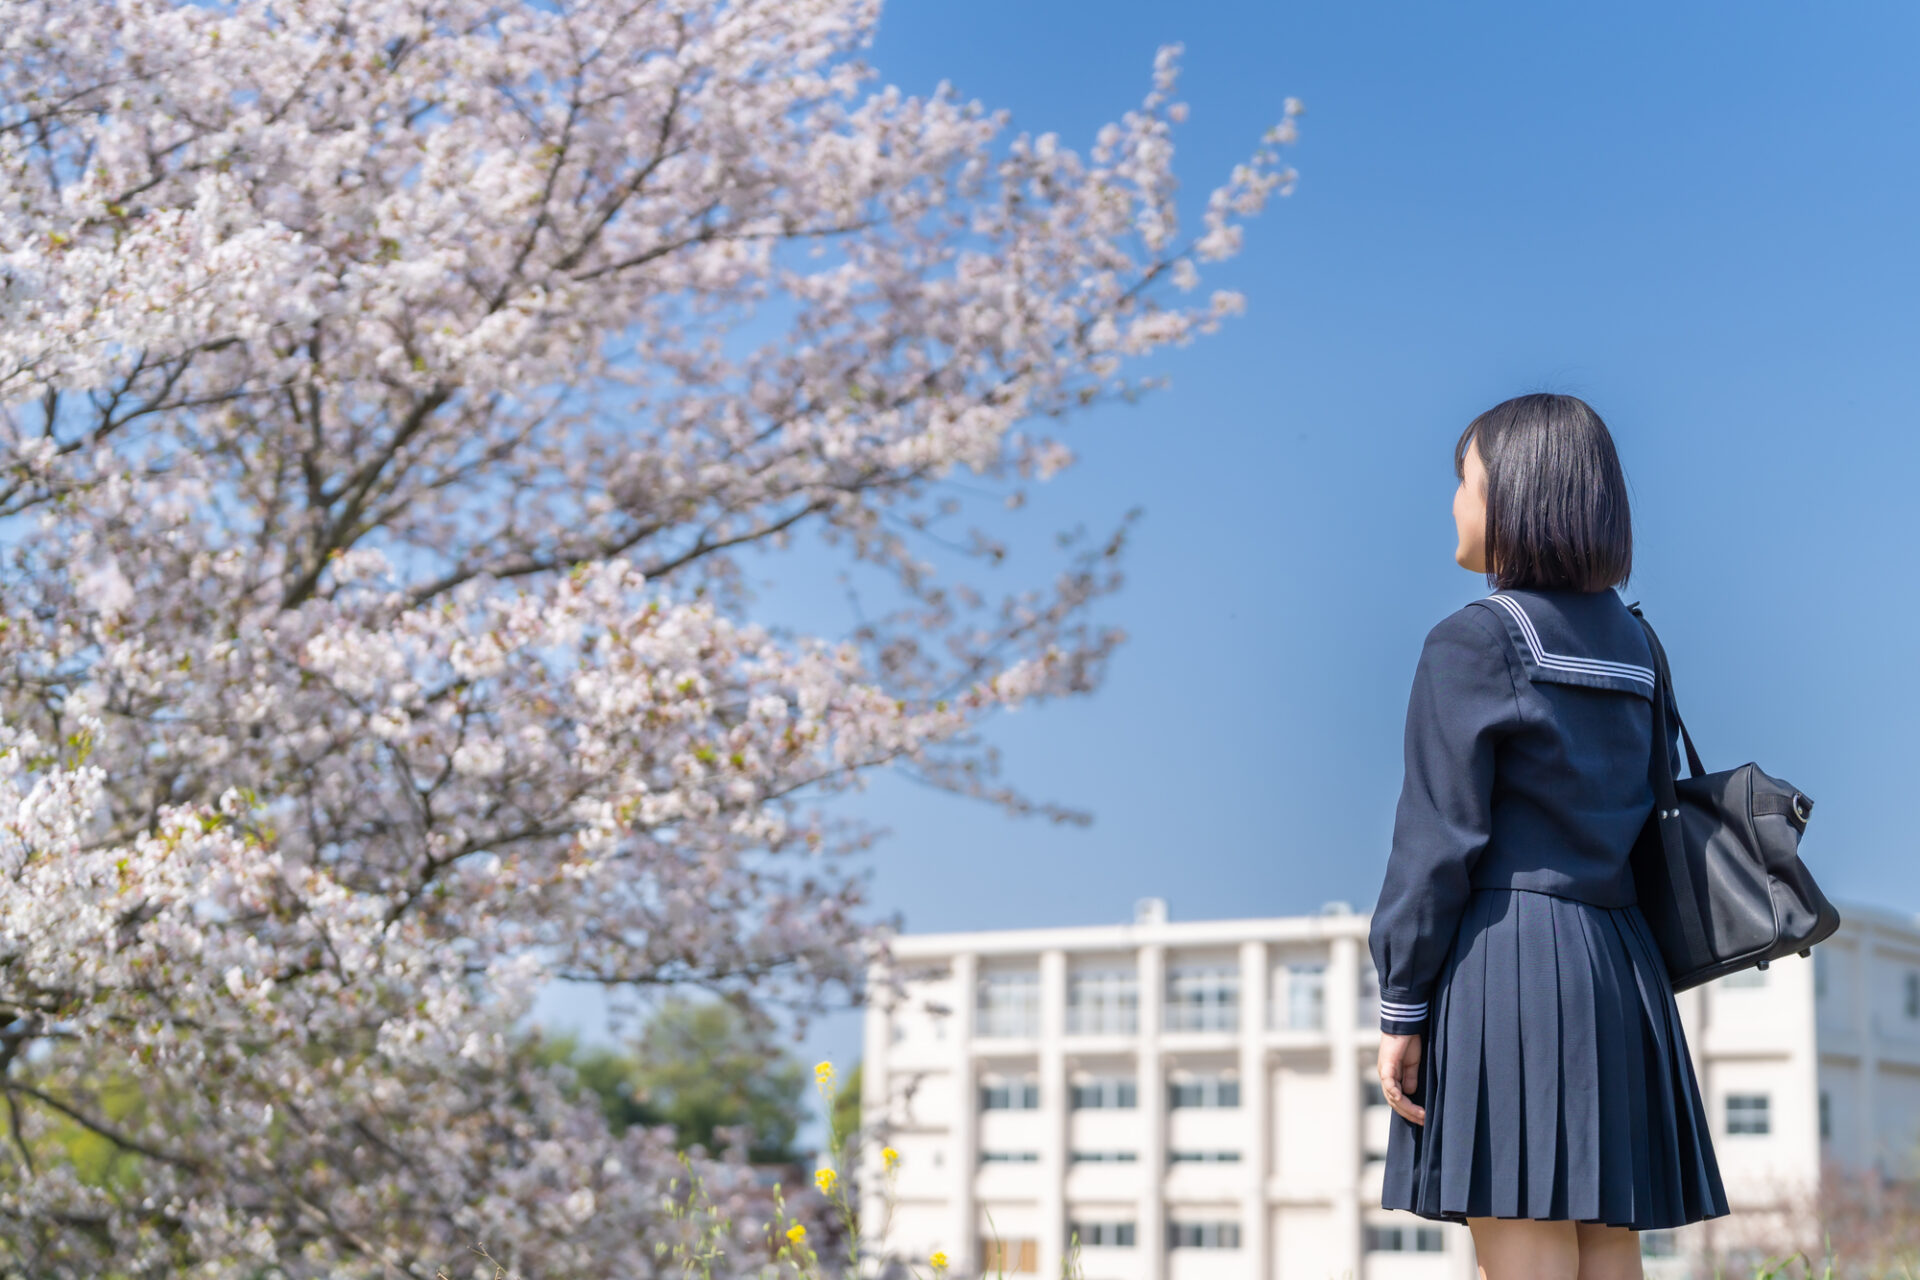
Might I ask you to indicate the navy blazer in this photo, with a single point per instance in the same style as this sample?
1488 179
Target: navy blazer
1528 766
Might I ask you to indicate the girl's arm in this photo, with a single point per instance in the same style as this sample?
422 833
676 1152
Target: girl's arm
1464 700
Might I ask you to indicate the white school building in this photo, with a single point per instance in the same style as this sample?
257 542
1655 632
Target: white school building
1198 1099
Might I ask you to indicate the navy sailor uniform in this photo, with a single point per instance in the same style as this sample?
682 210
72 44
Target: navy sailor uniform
1555 1072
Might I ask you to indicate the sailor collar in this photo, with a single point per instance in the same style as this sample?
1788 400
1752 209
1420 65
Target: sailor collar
1585 638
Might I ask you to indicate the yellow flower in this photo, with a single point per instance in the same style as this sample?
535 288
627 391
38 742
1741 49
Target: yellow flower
824 1179
889 1155
823 1072
939 1261
796 1233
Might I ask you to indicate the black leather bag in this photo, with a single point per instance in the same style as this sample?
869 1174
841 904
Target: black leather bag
1717 868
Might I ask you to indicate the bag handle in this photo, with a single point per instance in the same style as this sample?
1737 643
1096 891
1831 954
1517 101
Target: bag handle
1692 919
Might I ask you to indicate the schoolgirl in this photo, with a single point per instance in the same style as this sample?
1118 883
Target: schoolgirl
1530 1049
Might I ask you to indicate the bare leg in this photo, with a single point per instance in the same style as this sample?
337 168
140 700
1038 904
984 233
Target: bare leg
1524 1249
1608 1253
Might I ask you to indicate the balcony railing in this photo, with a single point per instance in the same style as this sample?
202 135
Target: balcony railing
1203 1017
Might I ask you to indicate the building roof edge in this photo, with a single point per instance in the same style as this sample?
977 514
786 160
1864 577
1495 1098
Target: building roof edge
1097 937
1850 909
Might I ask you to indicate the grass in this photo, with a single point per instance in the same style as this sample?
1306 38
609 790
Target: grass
1784 1268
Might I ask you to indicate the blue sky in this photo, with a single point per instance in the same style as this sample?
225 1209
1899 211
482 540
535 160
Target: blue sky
1701 218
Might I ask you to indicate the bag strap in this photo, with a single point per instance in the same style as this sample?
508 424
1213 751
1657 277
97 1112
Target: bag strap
1665 683
1692 920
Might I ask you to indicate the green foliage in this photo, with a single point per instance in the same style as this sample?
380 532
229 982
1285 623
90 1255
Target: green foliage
608 1075
1798 1266
698 1066
845 1117
112 1098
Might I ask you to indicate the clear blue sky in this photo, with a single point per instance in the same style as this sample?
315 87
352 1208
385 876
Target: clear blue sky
1702 219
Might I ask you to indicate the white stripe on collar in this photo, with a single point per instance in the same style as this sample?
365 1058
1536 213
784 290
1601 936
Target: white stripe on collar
1565 661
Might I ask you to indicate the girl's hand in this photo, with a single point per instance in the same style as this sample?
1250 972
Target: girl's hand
1400 1074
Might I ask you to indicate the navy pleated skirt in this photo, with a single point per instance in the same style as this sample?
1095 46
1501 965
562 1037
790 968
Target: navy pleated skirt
1555 1076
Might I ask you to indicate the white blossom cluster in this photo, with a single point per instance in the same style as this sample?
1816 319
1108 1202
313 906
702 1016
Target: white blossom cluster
389 392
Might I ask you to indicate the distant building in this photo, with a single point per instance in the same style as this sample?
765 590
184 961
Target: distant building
1198 1099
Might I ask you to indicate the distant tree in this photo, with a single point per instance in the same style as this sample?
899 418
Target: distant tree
698 1066
604 1073
609 1074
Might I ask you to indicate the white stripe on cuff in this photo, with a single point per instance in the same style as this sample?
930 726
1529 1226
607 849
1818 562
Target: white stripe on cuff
1399 1012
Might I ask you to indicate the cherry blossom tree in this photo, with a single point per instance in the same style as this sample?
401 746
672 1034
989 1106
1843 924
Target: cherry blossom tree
390 394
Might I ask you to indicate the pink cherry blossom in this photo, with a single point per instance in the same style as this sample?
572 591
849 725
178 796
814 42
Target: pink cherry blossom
390 396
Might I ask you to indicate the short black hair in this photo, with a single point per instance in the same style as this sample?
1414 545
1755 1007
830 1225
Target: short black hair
1557 512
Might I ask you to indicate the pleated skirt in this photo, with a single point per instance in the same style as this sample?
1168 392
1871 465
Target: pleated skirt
1555 1076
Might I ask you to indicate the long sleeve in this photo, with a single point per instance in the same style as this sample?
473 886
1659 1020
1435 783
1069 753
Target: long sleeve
1464 700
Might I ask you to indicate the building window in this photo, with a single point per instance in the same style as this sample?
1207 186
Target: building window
1745 978
1106 1093
1820 964
1367 1013
1009 1157
1826 1114
1009 1255
1659 1244
1104 1157
1398 1239
1010 1095
1205 1157
1304 994
1103 1235
1748 1113
1913 994
1217 1090
1203 998
1372 1095
1203 1235
1103 1002
1010 1003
